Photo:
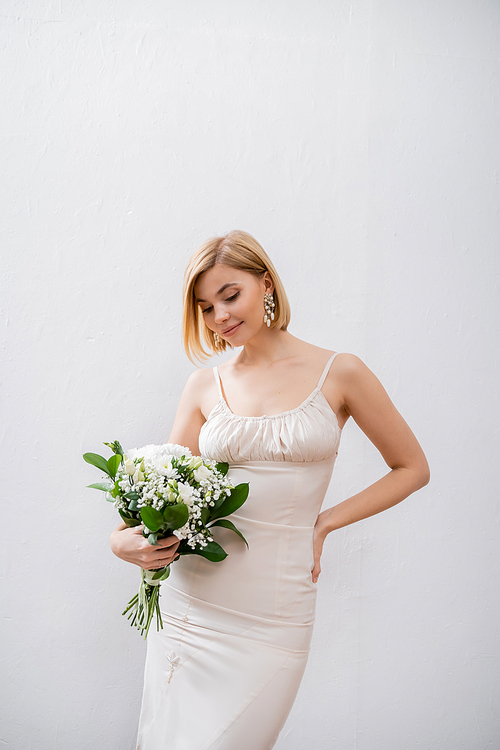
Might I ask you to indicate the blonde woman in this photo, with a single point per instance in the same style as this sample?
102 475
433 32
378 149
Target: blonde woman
225 670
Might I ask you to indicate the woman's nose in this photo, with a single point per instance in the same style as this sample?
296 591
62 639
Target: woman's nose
221 314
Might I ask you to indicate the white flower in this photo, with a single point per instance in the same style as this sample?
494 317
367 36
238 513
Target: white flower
186 492
172 449
182 532
195 462
202 474
167 470
138 476
129 466
156 456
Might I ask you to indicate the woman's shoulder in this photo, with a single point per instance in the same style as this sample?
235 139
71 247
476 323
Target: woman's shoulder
200 378
344 361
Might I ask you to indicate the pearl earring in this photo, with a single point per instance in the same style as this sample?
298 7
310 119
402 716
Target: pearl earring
269 305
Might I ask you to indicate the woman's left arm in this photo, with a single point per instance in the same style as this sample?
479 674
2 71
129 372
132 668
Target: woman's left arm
373 411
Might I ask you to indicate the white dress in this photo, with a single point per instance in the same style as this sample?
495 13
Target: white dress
224 672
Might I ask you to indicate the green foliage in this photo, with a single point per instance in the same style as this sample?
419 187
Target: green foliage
96 460
104 486
223 467
131 495
175 516
129 519
212 552
233 502
116 448
229 525
113 464
162 574
152 518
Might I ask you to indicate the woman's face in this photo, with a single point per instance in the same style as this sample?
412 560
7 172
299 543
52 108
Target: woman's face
232 302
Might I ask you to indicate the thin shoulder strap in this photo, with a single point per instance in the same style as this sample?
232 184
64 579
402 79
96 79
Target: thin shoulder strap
217 380
325 371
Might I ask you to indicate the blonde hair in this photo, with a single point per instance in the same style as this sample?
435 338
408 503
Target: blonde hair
239 250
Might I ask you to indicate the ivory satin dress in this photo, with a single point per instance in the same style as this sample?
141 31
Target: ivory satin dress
224 671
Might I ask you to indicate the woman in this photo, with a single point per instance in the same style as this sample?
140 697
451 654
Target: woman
225 670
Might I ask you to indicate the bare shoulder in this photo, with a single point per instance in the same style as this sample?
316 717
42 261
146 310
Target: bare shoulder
353 378
201 390
190 414
198 382
199 378
347 365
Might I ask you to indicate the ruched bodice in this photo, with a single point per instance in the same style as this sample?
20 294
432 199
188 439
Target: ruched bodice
309 432
237 633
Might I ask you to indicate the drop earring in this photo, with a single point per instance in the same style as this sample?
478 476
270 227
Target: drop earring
269 305
216 339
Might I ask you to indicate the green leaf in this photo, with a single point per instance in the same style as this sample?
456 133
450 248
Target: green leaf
133 505
233 502
175 516
152 518
153 538
128 520
96 460
229 525
113 464
162 574
222 467
104 486
205 515
159 574
131 495
115 447
212 552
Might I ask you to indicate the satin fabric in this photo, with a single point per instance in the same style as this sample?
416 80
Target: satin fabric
224 671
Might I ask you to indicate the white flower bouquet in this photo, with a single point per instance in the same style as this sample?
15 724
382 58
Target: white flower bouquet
169 491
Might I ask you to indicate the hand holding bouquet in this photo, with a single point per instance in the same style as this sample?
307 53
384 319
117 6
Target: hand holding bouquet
168 491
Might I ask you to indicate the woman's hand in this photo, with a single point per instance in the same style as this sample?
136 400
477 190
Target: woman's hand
128 544
320 533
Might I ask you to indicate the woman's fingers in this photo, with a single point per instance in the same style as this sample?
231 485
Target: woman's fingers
317 550
132 546
169 541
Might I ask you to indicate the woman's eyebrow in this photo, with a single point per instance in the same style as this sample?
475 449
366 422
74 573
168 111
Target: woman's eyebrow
230 283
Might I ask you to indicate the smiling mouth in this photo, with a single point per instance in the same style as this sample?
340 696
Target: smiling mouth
230 330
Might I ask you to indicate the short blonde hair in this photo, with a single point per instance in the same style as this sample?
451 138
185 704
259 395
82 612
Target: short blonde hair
239 250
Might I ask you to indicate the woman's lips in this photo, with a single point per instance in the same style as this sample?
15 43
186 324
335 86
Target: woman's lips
232 330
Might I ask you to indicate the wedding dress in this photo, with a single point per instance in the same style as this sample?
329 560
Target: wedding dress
224 671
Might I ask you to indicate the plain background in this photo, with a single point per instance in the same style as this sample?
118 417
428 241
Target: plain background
358 142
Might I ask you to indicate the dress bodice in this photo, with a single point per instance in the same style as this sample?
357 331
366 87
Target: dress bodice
310 432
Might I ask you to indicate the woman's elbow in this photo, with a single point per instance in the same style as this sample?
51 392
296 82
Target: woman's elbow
423 474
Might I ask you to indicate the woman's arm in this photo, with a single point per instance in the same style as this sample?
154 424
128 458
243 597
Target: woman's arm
128 543
373 411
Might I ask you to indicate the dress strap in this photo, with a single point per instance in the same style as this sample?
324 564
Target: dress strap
325 371
217 380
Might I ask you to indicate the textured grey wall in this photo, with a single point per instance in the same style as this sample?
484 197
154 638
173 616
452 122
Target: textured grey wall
359 143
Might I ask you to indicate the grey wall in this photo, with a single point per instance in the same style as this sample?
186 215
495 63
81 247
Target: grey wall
359 143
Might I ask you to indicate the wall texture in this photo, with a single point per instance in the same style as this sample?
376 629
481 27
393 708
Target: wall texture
359 143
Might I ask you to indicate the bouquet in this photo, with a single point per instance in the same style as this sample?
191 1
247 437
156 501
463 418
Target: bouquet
169 491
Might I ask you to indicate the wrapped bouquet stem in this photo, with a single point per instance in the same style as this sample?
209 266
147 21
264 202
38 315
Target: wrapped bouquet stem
167 490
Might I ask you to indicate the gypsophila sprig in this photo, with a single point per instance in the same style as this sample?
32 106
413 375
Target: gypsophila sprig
168 491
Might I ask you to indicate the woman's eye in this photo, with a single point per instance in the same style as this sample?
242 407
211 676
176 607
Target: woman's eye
229 299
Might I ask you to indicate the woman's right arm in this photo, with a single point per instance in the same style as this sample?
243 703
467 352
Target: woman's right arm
128 543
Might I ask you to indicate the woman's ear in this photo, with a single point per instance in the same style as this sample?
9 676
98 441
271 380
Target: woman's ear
268 283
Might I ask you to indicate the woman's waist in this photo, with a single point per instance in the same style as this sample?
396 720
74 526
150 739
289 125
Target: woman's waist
183 608
286 494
